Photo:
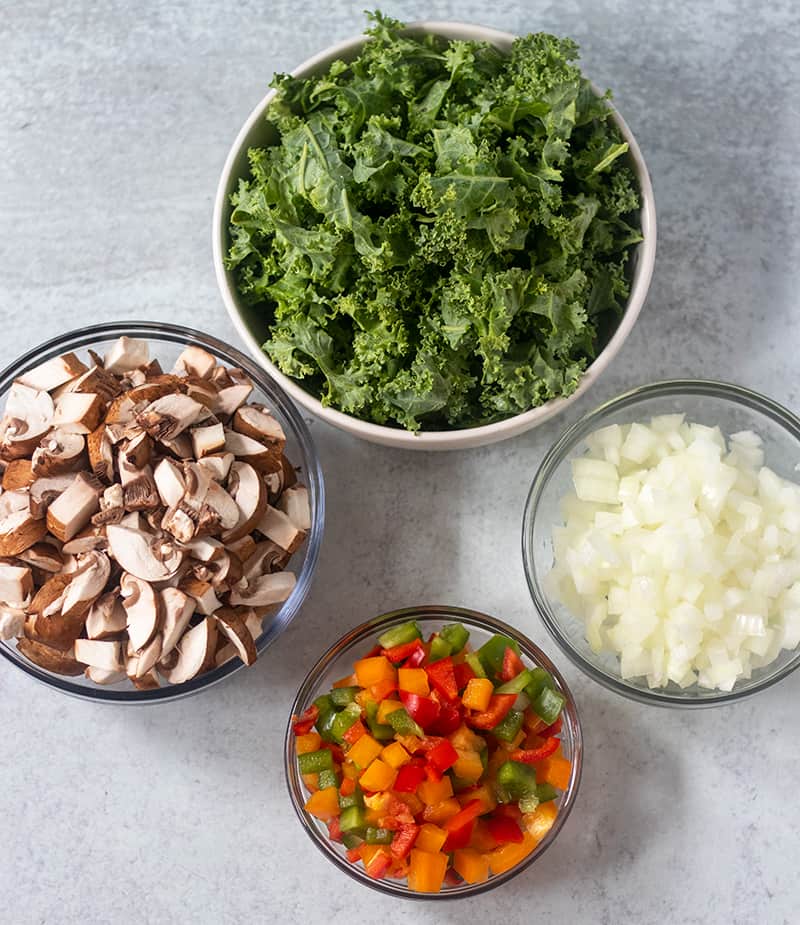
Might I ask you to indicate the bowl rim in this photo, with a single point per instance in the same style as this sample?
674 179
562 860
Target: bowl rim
424 613
160 332
460 437
560 451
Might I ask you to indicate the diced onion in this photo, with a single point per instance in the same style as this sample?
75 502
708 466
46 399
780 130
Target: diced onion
681 552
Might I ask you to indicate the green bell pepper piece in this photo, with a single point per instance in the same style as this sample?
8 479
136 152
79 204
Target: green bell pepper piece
356 798
548 705
528 803
326 779
440 648
375 836
474 663
327 714
403 725
352 819
314 762
515 781
380 731
510 725
351 840
540 679
344 720
456 635
399 635
341 696
491 653
545 792
515 685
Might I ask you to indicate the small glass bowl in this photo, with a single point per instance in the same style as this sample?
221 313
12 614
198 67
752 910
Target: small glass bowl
733 409
337 663
166 342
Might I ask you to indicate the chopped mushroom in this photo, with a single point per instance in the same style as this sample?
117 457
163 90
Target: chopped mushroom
136 532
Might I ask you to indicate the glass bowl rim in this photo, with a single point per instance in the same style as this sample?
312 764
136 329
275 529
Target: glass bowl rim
162 332
560 451
423 613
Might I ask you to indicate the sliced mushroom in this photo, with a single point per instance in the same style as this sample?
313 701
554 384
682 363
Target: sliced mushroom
143 609
138 450
28 417
103 675
148 656
101 453
180 446
73 508
201 390
141 493
178 609
232 624
19 529
86 586
46 623
230 398
205 548
208 439
16 583
45 489
48 658
226 509
256 422
251 451
195 361
12 621
250 494
78 412
180 524
169 482
243 548
126 354
295 504
90 539
59 452
195 652
272 588
107 618
100 654
148 682
149 558
203 594
42 556
217 465
95 379
167 417
276 526
112 506
18 474
53 373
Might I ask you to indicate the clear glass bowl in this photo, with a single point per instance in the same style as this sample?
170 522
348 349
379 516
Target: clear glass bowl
730 407
166 342
338 661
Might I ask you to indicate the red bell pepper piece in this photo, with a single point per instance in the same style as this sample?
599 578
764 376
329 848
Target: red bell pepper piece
403 841
512 665
353 855
464 674
347 787
334 829
504 830
459 827
442 756
552 730
417 657
499 705
409 777
375 650
423 710
448 721
509 811
301 725
377 866
532 755
400 653
335 750
354 733
442 679
451 878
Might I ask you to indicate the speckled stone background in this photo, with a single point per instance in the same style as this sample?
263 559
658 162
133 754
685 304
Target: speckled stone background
115 119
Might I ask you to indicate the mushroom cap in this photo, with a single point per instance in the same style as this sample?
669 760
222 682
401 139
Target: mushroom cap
195 652
143 609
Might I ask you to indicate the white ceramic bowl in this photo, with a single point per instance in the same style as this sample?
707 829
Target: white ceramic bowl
256 133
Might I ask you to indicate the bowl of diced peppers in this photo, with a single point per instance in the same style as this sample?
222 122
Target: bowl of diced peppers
433 752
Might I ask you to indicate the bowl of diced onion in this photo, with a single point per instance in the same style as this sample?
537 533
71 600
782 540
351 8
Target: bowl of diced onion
661 543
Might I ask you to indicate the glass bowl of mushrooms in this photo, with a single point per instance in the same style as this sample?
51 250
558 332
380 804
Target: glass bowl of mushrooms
161 512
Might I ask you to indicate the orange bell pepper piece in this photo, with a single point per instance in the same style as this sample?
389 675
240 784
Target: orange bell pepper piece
426 871
430 838
310 742
441 812
364 751
395 755
509 855
349 681
469 766
324 804
370 671
484 793
471 864
538 823
434 791
378 776
413 681
477 694
387 706
382 689
555 771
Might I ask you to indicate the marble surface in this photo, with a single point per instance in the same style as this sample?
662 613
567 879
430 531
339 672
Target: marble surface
116 119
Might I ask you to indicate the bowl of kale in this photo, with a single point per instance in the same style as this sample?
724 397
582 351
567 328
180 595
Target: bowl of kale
435 235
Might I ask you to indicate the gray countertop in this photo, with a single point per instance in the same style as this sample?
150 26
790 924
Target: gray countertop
116 119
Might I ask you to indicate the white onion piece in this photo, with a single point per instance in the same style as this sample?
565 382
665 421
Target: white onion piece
681 552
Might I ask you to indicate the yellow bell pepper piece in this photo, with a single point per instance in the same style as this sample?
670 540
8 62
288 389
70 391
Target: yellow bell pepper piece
413 681
426 871
477 694
469 766
310 742
324 804
409 743
370 671
434 791
364 750
540 821
441 812
395 755
387 706
484 793
471 864
467 740
507 856
430 838
412 801
311 781
378 776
